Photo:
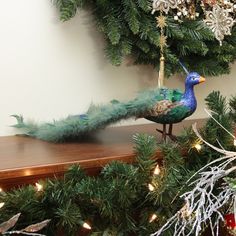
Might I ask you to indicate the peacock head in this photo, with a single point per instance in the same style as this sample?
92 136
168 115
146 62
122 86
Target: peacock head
193 78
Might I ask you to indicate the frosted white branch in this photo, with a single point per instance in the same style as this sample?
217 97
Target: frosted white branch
212 117
23 233
202 202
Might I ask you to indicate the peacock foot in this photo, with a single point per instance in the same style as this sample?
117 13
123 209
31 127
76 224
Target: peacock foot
172 137
167 134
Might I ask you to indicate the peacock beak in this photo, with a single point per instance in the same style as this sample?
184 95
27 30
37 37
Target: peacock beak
202 79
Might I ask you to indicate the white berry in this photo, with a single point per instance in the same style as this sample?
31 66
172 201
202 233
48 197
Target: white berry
176 17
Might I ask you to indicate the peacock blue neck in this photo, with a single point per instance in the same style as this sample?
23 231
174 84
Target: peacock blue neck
188 98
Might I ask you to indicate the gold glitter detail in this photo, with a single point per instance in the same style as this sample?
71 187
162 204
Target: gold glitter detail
163 41
161 21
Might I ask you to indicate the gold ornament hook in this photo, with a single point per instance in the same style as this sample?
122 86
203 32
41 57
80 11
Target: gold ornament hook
161 23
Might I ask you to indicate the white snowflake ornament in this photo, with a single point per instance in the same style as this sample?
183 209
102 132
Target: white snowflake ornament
164 5
220 22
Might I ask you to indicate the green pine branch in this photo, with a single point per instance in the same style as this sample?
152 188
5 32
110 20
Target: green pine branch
130 29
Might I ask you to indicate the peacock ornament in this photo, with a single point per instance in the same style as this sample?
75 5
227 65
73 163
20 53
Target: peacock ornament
161 105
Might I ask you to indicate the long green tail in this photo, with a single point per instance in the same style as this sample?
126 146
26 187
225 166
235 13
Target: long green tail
97 117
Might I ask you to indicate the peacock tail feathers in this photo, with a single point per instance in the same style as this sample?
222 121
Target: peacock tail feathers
97 117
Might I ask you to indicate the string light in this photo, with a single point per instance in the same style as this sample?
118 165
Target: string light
86 226
39 187
152 218
1 190
157 170
151 187
198 146
234 142
2 204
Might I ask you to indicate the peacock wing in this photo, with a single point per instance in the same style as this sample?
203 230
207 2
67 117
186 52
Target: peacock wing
171 99
177 95
162 108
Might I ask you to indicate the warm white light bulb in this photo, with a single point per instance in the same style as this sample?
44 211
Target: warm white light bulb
157 170
1 190
86 226
2 204
151 187
39 187
198 146
152 218
234 142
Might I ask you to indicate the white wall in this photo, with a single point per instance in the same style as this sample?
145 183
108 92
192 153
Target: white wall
50 69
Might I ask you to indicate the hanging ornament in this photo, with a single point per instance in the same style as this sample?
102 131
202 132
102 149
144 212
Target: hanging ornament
219 21
161 23
164 5
230 223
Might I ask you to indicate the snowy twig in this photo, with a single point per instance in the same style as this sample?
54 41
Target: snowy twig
21 232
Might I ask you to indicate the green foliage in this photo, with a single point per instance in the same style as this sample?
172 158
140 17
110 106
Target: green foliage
172 179
231 182
69 217
68 8
130 29
220 111
232 104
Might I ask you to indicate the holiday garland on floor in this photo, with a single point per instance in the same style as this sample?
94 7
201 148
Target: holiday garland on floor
193 30
134 198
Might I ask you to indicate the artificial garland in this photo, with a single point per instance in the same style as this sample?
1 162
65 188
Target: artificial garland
126 198
193 30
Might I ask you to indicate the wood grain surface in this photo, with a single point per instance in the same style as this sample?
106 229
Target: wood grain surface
24 160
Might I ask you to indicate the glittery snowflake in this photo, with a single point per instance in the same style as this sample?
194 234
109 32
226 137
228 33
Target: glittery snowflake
219 21
164 5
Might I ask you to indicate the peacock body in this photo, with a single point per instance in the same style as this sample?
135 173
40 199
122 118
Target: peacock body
165 106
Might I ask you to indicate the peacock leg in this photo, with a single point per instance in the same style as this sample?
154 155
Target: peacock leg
172 137
164 132
170 129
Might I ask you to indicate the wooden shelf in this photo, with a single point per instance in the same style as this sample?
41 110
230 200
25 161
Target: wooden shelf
25 160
